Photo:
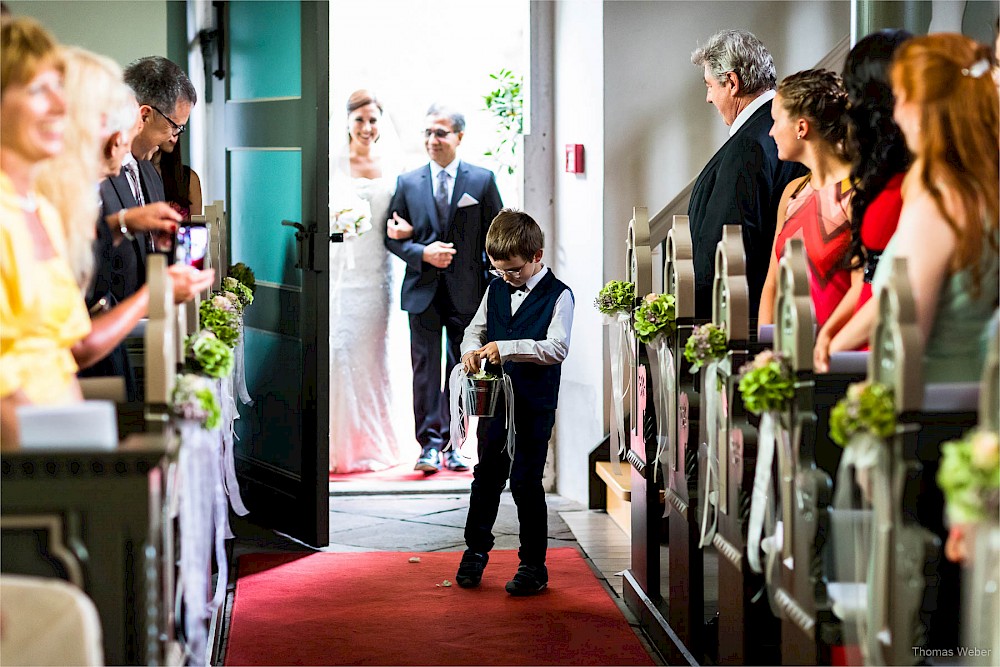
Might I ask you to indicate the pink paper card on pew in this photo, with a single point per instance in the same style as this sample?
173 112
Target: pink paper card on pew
84 425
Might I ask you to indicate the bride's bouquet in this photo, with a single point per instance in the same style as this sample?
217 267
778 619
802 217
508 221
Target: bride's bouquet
351 217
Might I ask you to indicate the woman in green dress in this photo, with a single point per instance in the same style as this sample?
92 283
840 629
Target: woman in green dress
947 108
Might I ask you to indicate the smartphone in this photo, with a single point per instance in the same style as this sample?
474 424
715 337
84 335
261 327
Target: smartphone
191 244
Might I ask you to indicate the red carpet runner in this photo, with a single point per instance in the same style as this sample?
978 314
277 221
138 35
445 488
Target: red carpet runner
379 609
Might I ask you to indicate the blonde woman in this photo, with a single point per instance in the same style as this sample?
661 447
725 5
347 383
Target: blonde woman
102 117
42 314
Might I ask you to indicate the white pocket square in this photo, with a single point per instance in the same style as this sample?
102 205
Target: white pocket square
467 200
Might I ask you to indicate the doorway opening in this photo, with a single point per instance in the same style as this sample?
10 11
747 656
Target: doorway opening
411 54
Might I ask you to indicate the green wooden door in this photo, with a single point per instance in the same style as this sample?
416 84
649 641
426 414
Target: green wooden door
277 99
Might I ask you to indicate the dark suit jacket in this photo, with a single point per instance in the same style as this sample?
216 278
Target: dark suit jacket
740 185
128 260
466 277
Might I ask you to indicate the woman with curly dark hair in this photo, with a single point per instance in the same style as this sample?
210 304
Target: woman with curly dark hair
880 162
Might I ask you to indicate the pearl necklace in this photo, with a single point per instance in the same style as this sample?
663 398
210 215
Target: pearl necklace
28 203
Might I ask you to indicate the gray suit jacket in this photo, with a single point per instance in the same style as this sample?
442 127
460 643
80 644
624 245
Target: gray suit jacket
128 260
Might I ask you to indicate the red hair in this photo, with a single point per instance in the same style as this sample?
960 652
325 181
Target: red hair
958 150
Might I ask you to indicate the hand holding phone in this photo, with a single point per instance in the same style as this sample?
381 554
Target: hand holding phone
192 244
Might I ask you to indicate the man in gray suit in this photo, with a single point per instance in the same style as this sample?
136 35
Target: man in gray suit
450 205
166 97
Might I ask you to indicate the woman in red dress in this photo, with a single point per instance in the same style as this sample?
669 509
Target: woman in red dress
880 162
809 128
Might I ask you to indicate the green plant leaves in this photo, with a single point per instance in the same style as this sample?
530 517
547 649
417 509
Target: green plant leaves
506 103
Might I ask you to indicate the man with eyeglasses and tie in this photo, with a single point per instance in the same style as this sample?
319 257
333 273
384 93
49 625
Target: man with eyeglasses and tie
449 204
133 201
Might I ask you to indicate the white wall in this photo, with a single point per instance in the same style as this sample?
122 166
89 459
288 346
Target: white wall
575 248
123 31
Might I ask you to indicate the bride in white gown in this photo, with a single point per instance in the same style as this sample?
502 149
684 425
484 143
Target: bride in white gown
365 432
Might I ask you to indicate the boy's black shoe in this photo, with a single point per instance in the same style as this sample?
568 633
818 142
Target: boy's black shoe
530 579
470 570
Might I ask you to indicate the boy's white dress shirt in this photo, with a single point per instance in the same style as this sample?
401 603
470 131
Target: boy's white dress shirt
552 350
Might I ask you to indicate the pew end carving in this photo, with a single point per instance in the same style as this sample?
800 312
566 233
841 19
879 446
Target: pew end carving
805 488
901 548
684 560
752 632
162 347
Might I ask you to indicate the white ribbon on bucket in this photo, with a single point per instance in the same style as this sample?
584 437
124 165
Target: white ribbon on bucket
661 360
460 410
621 352
202 511
240 372
710 499
227 454
761 500
852 536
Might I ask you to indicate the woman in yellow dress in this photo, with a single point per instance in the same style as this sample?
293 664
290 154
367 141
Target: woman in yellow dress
42 312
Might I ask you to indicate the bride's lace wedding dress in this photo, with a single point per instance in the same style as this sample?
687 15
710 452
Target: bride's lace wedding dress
364 429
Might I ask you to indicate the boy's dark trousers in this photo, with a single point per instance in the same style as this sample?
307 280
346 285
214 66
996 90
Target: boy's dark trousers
533 427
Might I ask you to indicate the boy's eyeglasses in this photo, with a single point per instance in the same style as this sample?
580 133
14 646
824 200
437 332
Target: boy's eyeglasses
440 134
510 273
177 129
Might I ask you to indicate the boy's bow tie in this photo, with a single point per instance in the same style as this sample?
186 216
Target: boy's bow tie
517 288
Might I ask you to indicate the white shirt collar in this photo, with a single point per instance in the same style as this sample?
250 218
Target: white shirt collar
452 169
535 279
129 159
744 116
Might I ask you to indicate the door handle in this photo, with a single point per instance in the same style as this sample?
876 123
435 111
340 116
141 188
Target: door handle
304 243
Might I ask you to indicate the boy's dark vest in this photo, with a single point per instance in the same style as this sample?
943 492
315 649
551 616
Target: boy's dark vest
534 384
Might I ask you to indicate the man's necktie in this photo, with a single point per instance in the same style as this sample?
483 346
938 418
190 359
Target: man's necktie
517 288
132 174
441 199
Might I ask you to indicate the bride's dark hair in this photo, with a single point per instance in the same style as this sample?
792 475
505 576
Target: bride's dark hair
358 99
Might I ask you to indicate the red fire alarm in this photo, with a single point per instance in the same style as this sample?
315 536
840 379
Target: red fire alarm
574 158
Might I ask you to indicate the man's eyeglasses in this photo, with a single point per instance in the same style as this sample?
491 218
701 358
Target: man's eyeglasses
440 134
177 129
510 273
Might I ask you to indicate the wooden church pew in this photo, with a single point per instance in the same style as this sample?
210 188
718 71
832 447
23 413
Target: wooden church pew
97 518
685 566
642 581
805 488
644 574
917 600
980 595
747 631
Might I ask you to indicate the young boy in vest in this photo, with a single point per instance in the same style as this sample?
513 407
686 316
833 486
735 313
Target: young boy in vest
523 324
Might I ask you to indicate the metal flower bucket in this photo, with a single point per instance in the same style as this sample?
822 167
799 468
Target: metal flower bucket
481 396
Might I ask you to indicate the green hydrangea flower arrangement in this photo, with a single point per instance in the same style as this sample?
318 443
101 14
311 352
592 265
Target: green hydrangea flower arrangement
225 324
969 477
242 292
243 274
194 399
868 407
707 343
656 316
615 297
767 383
208 355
